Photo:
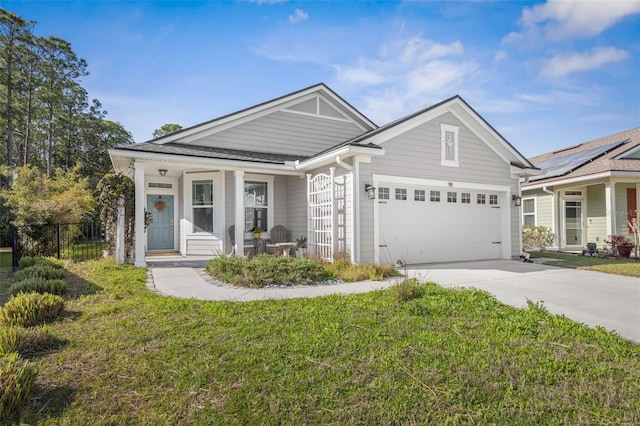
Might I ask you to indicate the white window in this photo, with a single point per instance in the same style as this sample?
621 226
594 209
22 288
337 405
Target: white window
419 195
383 193
401 194
434 196
452 197
256 205
202 204
449 145
528 212
573 193
465 198
482 199
493 199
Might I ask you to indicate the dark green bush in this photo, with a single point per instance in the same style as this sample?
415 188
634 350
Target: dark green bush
26 341
40 271
29 309
265 269
17 385
39 285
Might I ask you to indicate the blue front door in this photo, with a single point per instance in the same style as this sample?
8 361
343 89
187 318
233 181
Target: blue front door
160 230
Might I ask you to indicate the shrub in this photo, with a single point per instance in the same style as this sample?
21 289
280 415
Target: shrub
17 384
25 341
408 289
362 271
40 271
39 285
537 236
26 262
29 309
265 269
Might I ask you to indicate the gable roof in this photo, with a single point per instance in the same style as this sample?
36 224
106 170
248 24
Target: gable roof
613 153
220 123
458 107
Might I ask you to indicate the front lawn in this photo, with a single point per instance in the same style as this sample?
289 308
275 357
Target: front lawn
629 267
444 357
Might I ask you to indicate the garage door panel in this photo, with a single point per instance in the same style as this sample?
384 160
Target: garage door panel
428 231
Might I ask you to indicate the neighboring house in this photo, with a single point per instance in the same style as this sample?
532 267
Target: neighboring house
586 192
434 186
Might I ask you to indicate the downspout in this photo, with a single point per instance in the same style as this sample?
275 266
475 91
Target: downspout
554 212
356 207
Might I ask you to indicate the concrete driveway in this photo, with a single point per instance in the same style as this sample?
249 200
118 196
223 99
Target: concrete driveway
592 298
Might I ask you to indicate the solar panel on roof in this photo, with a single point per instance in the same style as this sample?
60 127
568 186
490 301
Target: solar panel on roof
564 164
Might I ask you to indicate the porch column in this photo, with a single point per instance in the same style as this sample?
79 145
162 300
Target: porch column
239 211
610 202
140 237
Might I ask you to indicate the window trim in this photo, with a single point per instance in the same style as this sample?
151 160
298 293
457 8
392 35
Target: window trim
535 210
400 194
269 180
444 128
203 206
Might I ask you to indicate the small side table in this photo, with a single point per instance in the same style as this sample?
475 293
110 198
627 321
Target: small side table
286 247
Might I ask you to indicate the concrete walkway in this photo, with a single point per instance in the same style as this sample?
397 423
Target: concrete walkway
593 298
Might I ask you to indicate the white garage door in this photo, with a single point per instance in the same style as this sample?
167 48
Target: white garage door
425 225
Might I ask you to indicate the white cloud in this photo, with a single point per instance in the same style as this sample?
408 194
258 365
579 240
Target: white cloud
298 16
500 56
560 19
563 64
407 75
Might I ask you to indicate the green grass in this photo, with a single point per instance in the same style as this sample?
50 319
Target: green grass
629 267
441 357
5 257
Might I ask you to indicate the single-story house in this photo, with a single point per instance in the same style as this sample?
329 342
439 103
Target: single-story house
585 192
437 185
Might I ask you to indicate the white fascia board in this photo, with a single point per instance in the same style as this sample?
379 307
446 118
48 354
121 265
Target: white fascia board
330 156
527 172
248 166
582 179
402 180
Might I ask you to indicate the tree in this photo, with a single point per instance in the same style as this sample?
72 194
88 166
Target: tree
35 199
61 68
14 33
166 129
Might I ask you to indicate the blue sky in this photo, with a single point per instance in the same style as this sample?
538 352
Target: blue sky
546 75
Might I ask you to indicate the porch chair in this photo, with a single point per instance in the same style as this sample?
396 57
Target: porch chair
248 244
278 234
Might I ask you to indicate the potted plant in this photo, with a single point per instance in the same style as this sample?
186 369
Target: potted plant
257 231
301 244
620 245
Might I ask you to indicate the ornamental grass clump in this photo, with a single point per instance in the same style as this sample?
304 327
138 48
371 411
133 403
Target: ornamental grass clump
26 341
29 309
408 289
17 385
47 272
39 285
26 262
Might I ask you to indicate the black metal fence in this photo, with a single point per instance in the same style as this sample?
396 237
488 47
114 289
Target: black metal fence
76 241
